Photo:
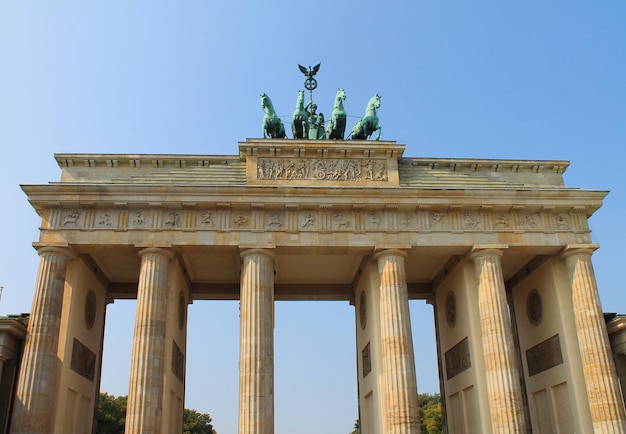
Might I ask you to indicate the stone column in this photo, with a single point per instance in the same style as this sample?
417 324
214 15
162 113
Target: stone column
503 387
401 409
603 389
37 387
256 350
144 409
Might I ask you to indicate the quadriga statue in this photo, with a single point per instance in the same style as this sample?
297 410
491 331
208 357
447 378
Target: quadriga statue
337 122
368 123
273 127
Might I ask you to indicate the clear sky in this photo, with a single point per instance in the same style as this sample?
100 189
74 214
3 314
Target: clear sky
507 80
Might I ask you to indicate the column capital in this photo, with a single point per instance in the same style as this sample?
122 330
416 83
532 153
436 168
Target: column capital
579 249
390 251
158 250
479 250
257 250
64 251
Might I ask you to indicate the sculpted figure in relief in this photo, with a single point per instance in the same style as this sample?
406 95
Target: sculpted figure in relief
331 169
308 221
241 220
71 218
501 220
172 220
341 221
439 220
374 218
104 220
207 219
407 221
531 220
561 222
274 220
471 220
139 220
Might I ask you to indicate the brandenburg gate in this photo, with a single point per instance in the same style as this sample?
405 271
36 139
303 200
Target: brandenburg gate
500 248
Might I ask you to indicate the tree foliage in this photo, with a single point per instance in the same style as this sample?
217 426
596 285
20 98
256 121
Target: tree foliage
111 414
112 417
196 423
357 427
431 417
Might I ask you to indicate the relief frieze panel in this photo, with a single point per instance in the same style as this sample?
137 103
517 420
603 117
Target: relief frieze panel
327 169
323 218
274 220
307 220
471 220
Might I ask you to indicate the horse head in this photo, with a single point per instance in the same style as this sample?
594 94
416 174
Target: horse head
374 102
264 100
300 100
267 105
341 95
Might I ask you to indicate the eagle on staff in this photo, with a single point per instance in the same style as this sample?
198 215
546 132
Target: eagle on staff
310 83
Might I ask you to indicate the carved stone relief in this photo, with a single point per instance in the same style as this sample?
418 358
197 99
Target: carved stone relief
308 220
501 220
458 359
178 362
104 219
171 220
332 169
544 356
83 360
440 220
225 218
367 360
341 221
71 219
407 221
140 219
562 221
241 220
273 220
374 219
471 220
531 220
206 219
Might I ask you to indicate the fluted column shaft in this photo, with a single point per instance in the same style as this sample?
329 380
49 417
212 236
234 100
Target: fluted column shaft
37 387
256 350
503 388
401 409
144 409
603 390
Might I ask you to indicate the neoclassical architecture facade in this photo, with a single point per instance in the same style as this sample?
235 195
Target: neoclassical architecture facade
500 248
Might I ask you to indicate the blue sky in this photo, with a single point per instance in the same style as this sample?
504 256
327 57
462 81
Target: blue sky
482 79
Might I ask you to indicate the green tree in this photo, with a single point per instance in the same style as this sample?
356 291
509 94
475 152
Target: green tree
111 414
197 423
357 427
432 421
431 418
112 417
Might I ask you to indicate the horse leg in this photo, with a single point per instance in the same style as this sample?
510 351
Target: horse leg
380 130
